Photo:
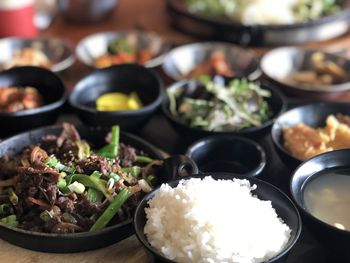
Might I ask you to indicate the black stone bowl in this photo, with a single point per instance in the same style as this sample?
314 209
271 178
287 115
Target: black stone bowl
314 115
74 242
265 191
277 103
124 78
337 240
232 154
48 84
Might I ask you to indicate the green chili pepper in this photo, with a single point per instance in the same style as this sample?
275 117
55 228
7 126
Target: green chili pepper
90 181
12 196
92 194
133 171
10 220
143 159
111 150
111 210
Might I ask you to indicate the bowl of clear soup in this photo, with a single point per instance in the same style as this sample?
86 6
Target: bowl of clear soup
320 188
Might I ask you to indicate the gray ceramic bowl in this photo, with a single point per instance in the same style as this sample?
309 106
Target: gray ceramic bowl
58 51
95 45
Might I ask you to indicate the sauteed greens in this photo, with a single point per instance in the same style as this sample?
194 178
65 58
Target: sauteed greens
64 186
213 105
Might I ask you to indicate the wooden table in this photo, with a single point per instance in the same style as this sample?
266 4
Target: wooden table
130 14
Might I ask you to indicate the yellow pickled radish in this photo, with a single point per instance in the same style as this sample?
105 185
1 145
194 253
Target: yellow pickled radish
134 102
116 101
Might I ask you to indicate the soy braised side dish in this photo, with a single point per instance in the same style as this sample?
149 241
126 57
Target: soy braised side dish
14 99
63 186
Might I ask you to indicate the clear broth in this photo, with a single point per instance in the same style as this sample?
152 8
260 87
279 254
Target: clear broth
327 197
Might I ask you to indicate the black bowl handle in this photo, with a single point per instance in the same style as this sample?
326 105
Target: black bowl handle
176 167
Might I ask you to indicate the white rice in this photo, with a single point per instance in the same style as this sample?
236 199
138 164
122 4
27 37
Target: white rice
214 221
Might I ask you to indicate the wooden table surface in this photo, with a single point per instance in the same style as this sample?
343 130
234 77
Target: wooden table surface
129 14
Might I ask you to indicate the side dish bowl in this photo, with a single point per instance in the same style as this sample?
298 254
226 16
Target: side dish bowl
124 78
58 51
96 45
281 63
265 191
314 115
232 154
276 102
48 84
180 61
336 239
74 242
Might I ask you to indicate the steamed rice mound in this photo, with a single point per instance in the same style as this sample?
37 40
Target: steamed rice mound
214 221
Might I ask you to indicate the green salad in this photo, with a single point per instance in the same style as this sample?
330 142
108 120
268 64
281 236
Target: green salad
214 106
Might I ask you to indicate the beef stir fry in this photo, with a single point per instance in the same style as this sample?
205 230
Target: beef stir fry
63 186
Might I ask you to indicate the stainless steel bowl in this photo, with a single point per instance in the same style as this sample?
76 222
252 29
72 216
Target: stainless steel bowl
280 63
95 45
58 51
181 60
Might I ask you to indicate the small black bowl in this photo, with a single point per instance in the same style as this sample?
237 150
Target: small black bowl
48 84
120 78
232 154
337 240
314 115
277 103
265 191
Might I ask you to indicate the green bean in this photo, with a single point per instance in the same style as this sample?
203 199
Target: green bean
111 210
93 194
133 171
143 159
10 220
111 150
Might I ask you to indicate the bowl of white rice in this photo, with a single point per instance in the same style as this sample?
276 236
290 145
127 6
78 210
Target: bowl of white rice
220 217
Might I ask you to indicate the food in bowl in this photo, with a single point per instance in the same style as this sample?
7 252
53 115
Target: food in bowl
117 101
265 12
213 105
321 73
121 51
326 196
208 229
28 57
304 142
14 99
63 185
216 64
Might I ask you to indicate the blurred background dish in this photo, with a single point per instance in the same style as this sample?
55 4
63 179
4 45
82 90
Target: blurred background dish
231 154
316 131
139 86
108 48
48 52
86 11
49 87
219 28
210 58
320 189
307 73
